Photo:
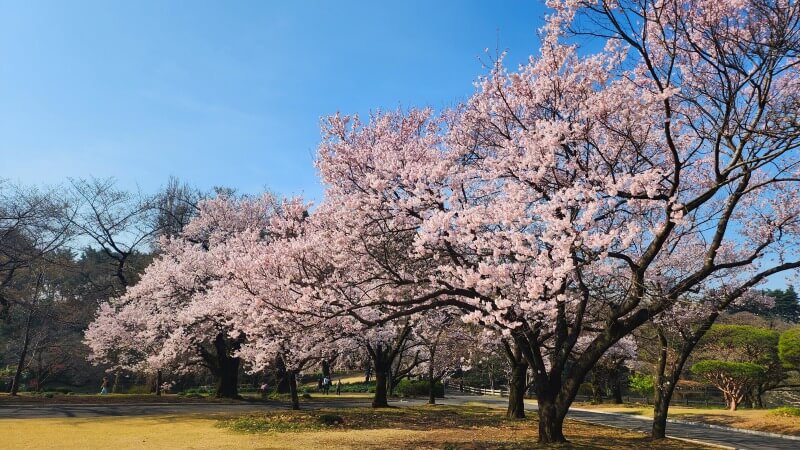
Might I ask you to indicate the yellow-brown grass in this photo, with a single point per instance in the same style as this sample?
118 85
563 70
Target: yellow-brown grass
423 427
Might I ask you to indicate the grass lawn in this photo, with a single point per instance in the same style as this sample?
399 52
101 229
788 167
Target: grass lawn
361 428
751 419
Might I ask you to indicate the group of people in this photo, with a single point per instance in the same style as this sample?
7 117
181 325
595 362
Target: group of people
325 385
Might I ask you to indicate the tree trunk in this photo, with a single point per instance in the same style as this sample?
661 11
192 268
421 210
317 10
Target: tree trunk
661 412
616 388
516 390
551 422
665 387
281 378
663 391
381 379
228 378
293 389
158 382
115 386
326 369
597 397
23 353
227 369
431 386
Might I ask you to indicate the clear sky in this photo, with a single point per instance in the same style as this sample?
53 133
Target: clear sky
226 93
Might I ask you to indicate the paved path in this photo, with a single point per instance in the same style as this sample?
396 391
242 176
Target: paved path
696 432
727 438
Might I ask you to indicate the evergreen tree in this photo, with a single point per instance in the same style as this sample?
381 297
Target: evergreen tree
786 304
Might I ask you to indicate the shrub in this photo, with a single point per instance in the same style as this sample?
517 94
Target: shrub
642 384
786 411
306 395
418 388
356 387
139 389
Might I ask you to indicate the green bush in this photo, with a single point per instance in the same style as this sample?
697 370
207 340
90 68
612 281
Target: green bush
139 389
418 388
642 384
786 411
199 391
356 387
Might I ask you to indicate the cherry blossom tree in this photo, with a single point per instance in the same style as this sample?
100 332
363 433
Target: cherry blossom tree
447 345
584 193
177 315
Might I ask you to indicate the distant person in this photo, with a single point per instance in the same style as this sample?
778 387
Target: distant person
263 389
339 387
104 386
326 385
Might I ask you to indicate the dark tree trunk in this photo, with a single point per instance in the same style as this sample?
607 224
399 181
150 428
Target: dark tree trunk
516 391
551 422
665 386
115 385
26 340
519 381
326 369
597 396
158 382
281 379
380 400
227 369
228 379
663 391
616 386
661 412
293 389
431 386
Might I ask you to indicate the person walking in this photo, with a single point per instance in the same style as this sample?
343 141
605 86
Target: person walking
339 387
104 386
263 389
326 385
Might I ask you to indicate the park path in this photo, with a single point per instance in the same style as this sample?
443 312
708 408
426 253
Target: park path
695 432
726 438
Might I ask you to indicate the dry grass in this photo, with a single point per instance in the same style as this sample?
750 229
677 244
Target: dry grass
751 419
422 427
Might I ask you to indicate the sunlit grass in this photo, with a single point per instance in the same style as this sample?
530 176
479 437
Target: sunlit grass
361 428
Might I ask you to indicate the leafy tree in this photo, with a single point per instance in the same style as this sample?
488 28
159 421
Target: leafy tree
786 304
747 344
642 384
789 348
734 379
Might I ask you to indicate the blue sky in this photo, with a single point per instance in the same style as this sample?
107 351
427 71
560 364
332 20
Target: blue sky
226 93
